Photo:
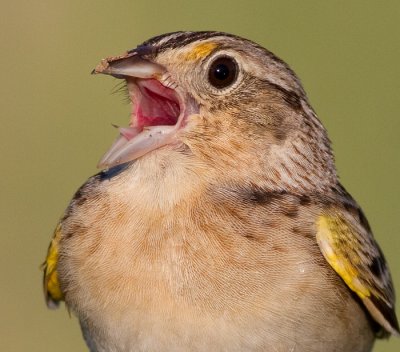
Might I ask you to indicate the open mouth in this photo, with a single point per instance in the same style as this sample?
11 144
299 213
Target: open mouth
158 112
153 103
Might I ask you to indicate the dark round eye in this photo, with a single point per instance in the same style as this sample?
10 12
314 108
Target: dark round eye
223 72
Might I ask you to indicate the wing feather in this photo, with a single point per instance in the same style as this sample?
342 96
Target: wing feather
350 249
51 285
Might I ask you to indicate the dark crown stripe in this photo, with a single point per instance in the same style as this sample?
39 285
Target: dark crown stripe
180 39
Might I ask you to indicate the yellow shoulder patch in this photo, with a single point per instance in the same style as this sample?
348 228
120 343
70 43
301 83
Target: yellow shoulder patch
199 51
341 249
51 284
352 252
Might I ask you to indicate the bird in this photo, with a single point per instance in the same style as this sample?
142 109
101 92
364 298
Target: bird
217 221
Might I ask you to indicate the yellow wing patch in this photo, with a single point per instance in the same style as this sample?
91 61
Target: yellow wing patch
199 51
352 252
334 236
51 284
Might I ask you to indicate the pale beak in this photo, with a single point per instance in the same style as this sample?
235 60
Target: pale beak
129 65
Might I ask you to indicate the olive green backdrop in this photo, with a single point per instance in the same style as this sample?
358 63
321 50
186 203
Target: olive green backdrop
55 118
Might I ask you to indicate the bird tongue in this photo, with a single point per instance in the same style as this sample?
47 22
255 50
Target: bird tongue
154 122
128 132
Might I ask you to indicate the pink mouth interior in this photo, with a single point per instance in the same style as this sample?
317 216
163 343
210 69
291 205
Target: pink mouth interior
158 112
153 105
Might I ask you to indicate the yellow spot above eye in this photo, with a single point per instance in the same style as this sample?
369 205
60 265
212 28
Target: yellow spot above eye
333 234
200 51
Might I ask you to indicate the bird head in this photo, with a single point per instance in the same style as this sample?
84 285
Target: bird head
224 100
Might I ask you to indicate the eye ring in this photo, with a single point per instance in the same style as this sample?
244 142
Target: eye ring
223 72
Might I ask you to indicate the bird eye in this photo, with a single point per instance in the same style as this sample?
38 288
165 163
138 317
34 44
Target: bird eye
223 72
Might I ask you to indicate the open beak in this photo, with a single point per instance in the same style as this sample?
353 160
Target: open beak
158 109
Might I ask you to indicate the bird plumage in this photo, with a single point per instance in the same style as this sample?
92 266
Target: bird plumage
233 235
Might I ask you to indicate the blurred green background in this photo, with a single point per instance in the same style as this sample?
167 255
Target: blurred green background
55 117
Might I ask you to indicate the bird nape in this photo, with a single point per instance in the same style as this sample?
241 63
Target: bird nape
218 222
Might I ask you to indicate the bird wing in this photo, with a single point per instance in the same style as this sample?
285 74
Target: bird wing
349 247
51 284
